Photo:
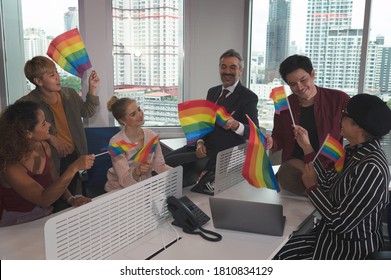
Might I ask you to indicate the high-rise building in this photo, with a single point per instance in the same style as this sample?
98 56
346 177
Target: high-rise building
341 64
278 36
335 47
146 46
71 18
322 18
35 42
146 42
385 70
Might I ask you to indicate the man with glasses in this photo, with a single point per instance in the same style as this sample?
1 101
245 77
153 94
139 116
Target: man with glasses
317 109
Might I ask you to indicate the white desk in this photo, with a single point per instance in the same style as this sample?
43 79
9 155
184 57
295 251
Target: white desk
26 241
174 143
240 245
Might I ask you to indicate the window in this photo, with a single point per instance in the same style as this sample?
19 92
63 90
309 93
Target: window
331 34
40 27
140 50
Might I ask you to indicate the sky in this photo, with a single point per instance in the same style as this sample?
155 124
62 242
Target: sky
35 14
46 14
380 8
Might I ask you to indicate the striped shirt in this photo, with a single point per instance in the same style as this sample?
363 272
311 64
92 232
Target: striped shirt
352 204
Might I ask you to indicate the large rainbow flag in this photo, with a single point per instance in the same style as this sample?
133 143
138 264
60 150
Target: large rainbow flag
198 118
69 52
142 155
257 169
119 147
279 98
333 150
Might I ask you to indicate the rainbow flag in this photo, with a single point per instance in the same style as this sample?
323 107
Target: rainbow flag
279 98
142 155
257 169
119 147
198 118
221 115
333 150
69 52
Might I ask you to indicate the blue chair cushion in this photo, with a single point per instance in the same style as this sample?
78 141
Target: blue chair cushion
97 139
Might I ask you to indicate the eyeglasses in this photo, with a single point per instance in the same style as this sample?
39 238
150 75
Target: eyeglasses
346 114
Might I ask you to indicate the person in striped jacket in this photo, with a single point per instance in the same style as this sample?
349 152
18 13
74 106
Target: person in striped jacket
351 202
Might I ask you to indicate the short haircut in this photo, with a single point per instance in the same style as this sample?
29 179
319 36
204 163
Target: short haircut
37 67
232 53
294 62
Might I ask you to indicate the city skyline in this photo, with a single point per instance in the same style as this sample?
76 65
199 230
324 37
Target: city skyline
380 9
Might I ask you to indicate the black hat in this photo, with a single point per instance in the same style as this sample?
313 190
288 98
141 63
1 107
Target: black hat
371 113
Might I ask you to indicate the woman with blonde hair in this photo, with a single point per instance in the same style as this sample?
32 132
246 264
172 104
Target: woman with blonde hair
126 172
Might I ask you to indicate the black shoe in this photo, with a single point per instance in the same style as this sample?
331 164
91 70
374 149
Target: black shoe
205 184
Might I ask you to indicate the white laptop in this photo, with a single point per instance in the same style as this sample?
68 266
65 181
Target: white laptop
247 216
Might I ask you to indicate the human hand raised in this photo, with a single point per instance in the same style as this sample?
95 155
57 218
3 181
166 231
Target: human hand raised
302 138
93 82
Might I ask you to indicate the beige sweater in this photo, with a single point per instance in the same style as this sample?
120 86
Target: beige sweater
121 174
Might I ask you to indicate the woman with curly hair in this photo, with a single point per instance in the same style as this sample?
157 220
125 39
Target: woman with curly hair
29 183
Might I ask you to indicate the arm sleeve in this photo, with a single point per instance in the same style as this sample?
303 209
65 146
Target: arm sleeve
159 165
365 190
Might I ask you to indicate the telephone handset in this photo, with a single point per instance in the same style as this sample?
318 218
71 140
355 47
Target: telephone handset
185 213
189 217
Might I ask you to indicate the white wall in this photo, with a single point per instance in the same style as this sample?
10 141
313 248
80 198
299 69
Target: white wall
211 27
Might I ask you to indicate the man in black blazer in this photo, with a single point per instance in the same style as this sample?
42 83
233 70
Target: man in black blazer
238 100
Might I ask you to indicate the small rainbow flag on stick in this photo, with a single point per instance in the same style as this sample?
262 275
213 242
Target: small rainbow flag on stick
221 115
142 155
257 169
198 118
69 52
117 148
281 103
333 150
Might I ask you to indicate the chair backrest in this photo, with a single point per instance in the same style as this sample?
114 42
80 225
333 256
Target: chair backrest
97 139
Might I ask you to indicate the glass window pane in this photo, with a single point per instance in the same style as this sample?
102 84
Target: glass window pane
328 32
147 42
378 67
41 26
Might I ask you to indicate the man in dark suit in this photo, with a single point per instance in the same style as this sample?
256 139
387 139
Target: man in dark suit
238 100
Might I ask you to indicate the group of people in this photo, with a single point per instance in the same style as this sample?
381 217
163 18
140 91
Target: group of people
44 147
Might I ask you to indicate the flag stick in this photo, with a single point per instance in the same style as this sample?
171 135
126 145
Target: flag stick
102 154
317 154
290 111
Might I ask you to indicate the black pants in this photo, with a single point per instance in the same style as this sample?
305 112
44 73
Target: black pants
299 247
192 165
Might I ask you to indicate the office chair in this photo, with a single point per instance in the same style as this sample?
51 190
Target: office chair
95 179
